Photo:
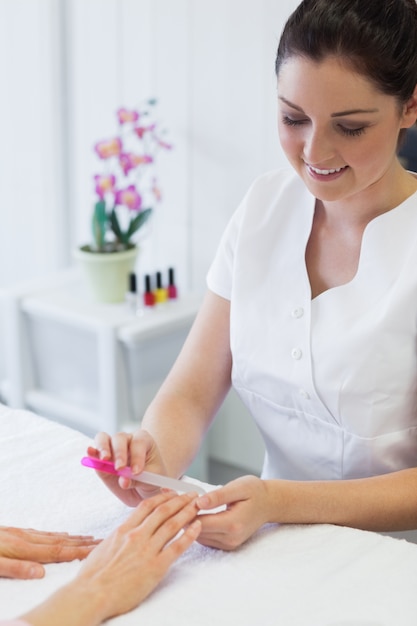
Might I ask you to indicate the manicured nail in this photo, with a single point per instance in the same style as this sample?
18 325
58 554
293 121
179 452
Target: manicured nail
202 502
195 527
36 571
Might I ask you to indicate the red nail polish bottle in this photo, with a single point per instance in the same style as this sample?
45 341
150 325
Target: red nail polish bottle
148 296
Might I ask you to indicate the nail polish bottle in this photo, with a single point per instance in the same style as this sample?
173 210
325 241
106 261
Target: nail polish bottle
172 288
148 296
161 294
131 294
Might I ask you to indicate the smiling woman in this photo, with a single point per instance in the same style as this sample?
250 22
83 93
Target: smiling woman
312 302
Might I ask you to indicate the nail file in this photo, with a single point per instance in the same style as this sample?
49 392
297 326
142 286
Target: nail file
144 477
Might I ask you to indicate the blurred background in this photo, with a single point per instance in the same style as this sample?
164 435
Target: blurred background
66 66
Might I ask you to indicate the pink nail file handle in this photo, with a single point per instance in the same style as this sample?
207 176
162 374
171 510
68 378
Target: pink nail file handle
144 477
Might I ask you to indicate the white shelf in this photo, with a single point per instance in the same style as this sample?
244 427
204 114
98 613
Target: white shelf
69 357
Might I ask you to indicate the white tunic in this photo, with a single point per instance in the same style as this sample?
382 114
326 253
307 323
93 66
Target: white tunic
331 382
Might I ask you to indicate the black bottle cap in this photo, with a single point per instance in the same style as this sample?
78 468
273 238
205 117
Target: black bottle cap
171 276
158 280
147 283
132 282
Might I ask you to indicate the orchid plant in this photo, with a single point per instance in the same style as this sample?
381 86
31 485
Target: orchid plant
127 189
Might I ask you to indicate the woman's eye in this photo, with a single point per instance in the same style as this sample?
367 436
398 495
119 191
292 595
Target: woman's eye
345 130
289 121
352 132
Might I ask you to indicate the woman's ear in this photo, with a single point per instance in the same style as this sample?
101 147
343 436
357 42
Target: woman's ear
410 111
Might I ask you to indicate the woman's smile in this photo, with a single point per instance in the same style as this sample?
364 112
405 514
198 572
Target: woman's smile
325 174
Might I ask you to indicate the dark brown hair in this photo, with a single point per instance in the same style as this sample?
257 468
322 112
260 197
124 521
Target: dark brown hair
377 38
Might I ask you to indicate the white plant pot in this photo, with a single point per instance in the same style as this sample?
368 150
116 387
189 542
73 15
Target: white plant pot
107 274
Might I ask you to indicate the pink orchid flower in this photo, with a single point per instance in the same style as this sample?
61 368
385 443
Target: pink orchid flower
124 115
104 184
108 148
129 197
128 161
141 130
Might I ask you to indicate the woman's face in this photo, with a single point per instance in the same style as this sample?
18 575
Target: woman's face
337 130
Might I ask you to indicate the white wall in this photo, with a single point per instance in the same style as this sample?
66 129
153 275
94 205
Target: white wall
67 65
32 224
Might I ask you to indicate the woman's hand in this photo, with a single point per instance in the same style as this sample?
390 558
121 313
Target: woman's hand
139 451
23 551
126 566
132 561
247 510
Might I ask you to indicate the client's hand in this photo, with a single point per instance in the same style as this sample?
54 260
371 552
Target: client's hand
23 551
130 563
126 566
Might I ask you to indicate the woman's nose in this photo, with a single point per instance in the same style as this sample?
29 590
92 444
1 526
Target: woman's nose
318 147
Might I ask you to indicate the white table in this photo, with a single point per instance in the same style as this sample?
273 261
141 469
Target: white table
288 576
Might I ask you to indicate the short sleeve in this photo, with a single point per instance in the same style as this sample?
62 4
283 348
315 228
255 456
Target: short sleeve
253 209
219 276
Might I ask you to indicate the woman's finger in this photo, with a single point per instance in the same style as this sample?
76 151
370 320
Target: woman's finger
120 444
46 536
141 452
24 570
230 493
145 509
103 445
180 545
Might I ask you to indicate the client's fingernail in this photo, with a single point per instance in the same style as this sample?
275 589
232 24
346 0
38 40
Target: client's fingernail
195 527
203 501
36 571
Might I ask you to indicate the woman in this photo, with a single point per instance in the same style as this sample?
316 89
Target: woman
312 303
124 569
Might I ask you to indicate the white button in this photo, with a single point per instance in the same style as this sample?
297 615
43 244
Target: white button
298 312
296 353
304 394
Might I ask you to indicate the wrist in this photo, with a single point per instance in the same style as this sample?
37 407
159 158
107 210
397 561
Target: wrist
91 601
79 603
311 502
279 499
295 502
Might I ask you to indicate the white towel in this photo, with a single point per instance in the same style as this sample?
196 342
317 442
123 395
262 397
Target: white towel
285 575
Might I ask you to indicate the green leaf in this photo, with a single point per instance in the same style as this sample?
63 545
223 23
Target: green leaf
99 223
115 226
138 222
